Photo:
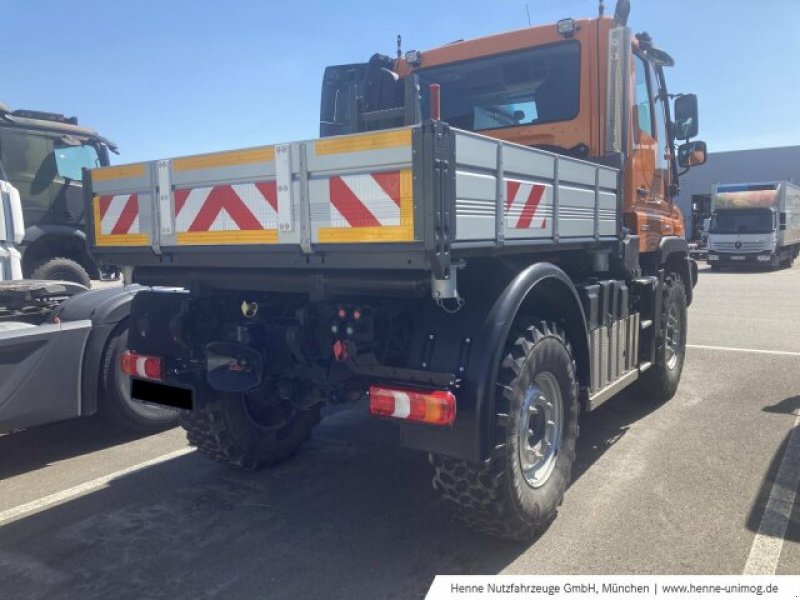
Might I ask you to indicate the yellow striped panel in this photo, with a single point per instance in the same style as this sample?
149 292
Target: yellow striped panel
363 142
230 158
126 239
386 233
119 172
215 238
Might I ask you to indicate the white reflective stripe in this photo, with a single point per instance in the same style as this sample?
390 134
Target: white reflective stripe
194 202
336 218
223 222
514 211
374 197
257 204
402 405
112 215
135 225
140 362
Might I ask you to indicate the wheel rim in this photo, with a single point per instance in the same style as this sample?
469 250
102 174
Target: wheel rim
673 336
541 429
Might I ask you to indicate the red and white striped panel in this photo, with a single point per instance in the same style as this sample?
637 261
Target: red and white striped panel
524 205
235 207
368 200
119 215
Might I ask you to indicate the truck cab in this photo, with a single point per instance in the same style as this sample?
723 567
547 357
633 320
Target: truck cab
585 88
754 224
42 155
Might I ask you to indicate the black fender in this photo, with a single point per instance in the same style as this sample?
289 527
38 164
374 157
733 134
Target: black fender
36 232
107 309
673 252
542 290
474 338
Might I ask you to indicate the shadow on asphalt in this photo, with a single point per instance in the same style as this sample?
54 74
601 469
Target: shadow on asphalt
606 425
351 516
35 448
788 406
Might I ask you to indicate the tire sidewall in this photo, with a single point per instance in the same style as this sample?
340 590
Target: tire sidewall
61 268
675 293
263 444
115 405
534 504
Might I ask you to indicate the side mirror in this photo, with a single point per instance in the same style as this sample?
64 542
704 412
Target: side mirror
692 154
686 123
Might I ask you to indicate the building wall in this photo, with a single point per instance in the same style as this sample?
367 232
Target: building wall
738 166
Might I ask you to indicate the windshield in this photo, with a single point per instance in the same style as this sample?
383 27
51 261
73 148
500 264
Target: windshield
70 160
538 85
742 221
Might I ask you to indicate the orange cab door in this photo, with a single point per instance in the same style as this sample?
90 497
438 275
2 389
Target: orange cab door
648 163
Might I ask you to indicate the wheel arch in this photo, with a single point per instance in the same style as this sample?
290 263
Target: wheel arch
53 241
673 254
108 309
542 290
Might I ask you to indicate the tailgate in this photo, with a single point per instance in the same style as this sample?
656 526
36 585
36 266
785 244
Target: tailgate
350 189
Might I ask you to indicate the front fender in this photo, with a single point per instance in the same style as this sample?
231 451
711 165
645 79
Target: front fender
106 308
674 254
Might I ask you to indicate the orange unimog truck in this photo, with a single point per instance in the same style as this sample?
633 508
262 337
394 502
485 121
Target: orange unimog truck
482 244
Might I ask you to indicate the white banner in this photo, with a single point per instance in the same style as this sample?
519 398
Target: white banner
632 587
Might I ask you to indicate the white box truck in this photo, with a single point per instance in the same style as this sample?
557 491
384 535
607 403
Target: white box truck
754 223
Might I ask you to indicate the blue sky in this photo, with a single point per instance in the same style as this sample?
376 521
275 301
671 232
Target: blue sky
171 77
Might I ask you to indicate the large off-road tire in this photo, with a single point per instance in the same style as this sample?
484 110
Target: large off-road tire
244 432
660 382
515 493
61 269
115 403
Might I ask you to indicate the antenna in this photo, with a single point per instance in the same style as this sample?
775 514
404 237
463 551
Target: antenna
527 12
399 47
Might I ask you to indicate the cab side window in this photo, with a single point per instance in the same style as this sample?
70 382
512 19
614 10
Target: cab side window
27 159
644 106
30 167
663 150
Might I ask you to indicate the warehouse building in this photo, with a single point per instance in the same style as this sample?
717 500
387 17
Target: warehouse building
737 166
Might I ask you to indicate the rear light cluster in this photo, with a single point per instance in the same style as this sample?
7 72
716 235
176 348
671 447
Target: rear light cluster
435 407
139 365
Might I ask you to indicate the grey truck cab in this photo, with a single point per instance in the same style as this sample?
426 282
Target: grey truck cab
42 155
60 344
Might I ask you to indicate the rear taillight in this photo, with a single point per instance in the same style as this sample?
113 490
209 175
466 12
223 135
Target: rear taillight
436 407
139 365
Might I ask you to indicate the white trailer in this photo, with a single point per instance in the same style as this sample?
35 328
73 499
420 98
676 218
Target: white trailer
754 223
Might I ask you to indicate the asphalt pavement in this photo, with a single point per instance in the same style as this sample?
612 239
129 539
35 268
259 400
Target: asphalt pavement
686 487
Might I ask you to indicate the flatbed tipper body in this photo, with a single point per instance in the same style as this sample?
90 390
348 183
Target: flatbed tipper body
416 198
478 286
